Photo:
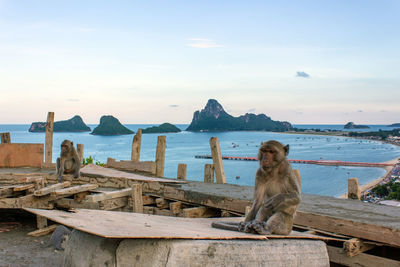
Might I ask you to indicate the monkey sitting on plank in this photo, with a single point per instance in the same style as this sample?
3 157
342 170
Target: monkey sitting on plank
69 160
276 194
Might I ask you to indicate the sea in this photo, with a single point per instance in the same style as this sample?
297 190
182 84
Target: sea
184 146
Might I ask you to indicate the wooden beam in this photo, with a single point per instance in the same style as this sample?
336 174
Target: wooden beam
23 187
6 191
136 144
41 222
48 189
5 138
338 255
181 171
162 203
353 189
137 199
79 197
148 200
49 138
356 246
73 190
175 207
43 231
128 165
209 173
160 155
114 203
68 203
217 160
109 195
80 149
199 212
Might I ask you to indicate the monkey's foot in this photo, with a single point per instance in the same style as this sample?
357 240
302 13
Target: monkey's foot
257 227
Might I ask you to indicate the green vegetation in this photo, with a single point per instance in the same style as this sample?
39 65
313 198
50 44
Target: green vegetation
390 190
91 160
163 128
110 126
381 135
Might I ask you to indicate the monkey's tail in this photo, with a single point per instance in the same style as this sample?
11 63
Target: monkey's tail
233 226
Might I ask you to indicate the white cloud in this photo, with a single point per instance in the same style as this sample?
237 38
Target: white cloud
302 74
203 43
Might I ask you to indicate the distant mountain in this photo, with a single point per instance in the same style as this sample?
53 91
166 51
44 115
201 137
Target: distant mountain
351 125
163 128
394 125
110 126
74 124
214 118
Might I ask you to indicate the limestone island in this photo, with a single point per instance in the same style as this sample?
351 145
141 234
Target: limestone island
163 128
214 118
351 125
394 125
110 126
75 124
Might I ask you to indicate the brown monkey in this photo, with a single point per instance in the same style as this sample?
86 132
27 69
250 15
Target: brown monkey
276 194
69 161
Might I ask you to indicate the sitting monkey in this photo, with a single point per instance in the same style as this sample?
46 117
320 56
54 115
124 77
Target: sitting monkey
276 194
69 161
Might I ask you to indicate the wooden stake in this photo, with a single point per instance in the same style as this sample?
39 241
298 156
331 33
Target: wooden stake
353 189
160 155
137 200
49 138
136 143
209 173
217 160
79 149
181 171
5 138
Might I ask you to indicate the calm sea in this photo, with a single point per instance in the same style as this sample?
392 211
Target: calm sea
182 148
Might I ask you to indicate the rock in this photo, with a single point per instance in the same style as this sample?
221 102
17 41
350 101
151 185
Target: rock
163 128
214 118
74 124
59 237
394 125
351 125
110 126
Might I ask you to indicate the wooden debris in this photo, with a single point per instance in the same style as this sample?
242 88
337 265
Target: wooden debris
160 155
209 173
181 171
48 189
49 138
73 190
137 199
199 212
128 165
353 189
68 203
79 197
148 200
44 231
79 149
5 138
355 246
217 160
136 143
23 187
175 207
113 204
109 195
6 191
41 222
162 203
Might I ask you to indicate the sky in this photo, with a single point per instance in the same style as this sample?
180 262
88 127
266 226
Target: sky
306 62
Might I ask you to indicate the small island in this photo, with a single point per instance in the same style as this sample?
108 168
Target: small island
351 125
74 124
394 125
163 128
214 118
110 126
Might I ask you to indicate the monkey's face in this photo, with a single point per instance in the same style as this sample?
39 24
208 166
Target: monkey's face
65 146
271 154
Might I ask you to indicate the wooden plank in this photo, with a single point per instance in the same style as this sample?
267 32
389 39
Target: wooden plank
48 189
5 138
6 191
217 160
114 203
338 255
181 171
68 203
162 203
109 195
73 190
356 246
49 137
21 155
127 165
44 231
199 212
353 189
136 144
160 155
137 199
23 187
80 148
41 222
79 197
209 173
175 207
148 200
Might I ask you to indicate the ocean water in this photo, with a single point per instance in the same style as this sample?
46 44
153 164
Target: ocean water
182 148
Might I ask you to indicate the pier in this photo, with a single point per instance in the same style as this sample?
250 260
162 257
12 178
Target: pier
303 161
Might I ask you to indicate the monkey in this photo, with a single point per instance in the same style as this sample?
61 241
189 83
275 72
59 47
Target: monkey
276 194
69 160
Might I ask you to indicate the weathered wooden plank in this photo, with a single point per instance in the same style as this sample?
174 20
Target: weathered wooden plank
23 187
5 138
48 189
353 189
356 246
217 160
109 195
137 199
148 200
162 203
136 144
43 231
21 155
160 155
114 203
10 203
73 190
199 212
41 222
181 171
209 173
6 191
49 137
79 197
338 255
127 165
68 203
175 207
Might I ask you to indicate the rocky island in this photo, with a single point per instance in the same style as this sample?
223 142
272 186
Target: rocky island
214 118
351 125
74 124
394 125
163 128
110 126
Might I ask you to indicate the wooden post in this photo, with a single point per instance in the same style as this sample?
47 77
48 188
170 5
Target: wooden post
5 138
160 155
181 171
41 222
217 160
209 173
79 149
49 138
353 189
136 143
137 199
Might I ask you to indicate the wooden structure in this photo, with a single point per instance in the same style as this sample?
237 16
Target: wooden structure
5 138
217 160
21 155
49 138
136 144
353 189
133 166
160 155
181 173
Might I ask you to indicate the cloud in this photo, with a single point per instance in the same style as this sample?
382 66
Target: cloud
73 100
252 110
203 43
360 110
302 74
173 106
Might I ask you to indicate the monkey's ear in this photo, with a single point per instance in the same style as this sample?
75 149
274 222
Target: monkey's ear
72 143
286 148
